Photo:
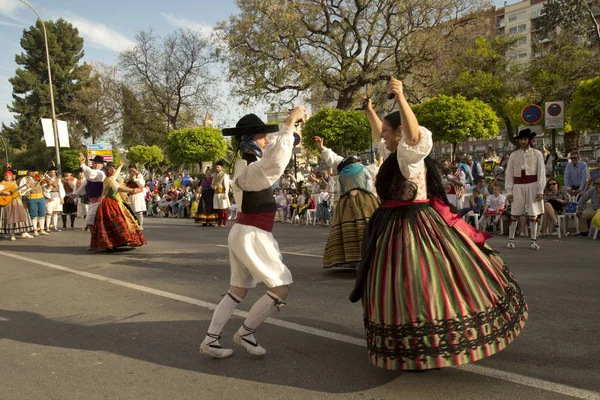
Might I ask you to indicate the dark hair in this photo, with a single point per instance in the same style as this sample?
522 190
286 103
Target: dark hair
393 119
347 161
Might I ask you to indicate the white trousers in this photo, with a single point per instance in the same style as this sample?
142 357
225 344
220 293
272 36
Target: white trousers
91 213
255 257
524 202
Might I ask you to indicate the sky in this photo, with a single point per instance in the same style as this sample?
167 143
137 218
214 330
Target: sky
109 27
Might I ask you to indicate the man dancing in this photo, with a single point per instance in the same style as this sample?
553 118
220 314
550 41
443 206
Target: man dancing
525 182
220 184
94 177
253 252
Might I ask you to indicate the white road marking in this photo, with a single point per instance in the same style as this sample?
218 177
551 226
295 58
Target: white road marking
472 368
286 252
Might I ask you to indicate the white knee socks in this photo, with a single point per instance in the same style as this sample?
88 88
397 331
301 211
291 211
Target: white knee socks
140 218
533 227
34 222
48 222
55 221
512 229
260 311
220 317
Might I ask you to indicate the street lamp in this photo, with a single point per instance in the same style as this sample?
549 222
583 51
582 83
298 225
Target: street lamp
54 125
5 149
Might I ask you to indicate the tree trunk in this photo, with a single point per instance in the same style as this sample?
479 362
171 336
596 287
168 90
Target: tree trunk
345 99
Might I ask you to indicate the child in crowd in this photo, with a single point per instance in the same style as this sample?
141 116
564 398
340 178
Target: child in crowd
493 207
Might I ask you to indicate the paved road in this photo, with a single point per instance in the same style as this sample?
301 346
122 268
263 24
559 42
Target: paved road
82 325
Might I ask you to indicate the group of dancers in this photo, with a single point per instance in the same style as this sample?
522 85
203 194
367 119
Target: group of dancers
434 294
38 200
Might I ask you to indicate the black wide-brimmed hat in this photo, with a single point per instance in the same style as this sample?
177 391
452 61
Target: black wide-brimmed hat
98 159
250 124
52 168
525 134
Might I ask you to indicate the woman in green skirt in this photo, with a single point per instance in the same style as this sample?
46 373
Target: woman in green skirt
434 294
356 205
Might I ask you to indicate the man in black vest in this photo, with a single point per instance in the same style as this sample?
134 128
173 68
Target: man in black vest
94 177
253 252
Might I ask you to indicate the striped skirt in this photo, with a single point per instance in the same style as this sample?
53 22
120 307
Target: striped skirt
349 221
14 219
432 298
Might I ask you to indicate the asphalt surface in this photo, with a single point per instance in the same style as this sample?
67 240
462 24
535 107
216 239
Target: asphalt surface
90 325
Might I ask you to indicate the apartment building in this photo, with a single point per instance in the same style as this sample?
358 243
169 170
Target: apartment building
517 20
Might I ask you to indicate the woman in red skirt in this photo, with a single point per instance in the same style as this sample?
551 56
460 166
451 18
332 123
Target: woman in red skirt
115 225
434 294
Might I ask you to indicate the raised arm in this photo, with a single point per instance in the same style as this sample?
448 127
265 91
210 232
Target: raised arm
330 157
410 125
373 118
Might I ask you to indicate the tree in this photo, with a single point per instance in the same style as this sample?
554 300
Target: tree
577 16
585 107
456 119
342 131
194 145
172 74
95 108
140 124
483 72
556 72
145 155
286 48
31 97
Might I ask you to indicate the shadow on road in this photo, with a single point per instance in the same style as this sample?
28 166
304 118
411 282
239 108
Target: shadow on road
316 364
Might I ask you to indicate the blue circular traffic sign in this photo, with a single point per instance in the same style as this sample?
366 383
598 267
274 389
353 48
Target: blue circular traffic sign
532 114
296 139
554 110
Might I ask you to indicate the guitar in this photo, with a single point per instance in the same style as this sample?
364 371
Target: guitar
6 199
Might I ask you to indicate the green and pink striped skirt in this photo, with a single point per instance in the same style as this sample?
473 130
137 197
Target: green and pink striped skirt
432 298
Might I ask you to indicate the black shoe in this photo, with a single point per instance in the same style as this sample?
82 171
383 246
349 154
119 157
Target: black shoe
581 234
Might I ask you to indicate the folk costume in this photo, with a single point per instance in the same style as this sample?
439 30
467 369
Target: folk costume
137 201
115 225
69 207
93 189
525 179
354 209
434 294
14 219
206 214
221 203
253 252
36 202
54 192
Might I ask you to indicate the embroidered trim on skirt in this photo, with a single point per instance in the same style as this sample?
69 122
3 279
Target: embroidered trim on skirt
15 219
206 214
432 298
349 221
115 226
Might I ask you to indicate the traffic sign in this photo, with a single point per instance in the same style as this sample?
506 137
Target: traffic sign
555 115
532 114
296 139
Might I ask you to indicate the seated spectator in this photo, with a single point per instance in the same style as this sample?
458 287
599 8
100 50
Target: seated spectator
281 202
594 174
586 212
576 174
481 185
476 204
555 200
493 208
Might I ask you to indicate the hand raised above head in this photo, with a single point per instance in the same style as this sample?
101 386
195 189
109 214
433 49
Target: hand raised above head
396 87
298 114
319 141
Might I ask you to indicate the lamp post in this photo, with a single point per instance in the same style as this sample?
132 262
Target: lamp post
5 148
54 125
